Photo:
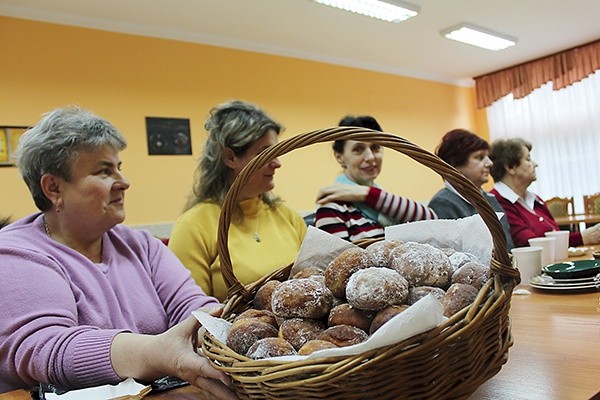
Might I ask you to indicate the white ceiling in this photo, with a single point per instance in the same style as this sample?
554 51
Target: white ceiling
307 30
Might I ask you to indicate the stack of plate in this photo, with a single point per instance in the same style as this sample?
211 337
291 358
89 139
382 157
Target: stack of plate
569 275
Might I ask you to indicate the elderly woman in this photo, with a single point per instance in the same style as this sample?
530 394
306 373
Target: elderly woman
355 207
513 171
86 301
469 154
264 232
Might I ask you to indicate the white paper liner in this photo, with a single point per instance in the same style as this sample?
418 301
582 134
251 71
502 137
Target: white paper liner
425 314
318 249
128 387
469 235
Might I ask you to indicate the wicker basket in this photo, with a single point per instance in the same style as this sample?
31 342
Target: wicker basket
448 362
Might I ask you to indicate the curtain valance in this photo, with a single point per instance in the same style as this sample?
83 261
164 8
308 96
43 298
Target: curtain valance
563 69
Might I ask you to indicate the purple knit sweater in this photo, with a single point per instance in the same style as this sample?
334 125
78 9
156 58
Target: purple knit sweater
59 312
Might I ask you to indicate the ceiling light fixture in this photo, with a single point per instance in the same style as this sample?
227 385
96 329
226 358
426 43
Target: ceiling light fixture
480 37
389 10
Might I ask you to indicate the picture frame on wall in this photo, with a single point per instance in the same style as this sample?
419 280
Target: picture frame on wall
9 140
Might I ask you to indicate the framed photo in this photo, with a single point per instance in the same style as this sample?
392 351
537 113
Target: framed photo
9 140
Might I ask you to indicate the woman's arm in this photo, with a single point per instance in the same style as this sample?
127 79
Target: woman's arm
148 357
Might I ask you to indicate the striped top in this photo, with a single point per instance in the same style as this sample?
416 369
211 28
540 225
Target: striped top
346 221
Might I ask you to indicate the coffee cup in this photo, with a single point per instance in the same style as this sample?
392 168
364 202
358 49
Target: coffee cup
528 261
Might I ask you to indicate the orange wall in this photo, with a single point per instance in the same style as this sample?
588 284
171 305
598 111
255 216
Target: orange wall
125 78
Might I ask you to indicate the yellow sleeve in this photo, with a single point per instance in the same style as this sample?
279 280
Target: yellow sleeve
194 241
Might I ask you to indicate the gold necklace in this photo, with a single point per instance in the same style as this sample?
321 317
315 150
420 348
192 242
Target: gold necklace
256 236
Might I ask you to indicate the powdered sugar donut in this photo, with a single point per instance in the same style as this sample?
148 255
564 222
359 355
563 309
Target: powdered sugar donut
422 264
345 264
459 258
457 297
244 332
472 273
301 298
270 347
298 331
376 288
417 293
343 335
381 251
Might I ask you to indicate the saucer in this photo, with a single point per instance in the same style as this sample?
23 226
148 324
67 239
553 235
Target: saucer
573 269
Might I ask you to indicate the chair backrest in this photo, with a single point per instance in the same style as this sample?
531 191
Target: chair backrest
591 203
560 206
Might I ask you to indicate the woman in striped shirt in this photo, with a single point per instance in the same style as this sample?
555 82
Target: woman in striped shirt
355 207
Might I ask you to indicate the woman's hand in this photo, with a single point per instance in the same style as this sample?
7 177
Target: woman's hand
591 235
172 353
342 192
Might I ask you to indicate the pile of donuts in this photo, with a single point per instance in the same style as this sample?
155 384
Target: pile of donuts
358 292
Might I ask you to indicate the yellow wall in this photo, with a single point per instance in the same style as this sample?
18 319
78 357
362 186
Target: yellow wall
125 78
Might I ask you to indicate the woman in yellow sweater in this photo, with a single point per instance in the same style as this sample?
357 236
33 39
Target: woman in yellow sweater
264 234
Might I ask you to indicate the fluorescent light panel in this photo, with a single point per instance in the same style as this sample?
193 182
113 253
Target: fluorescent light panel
391 11
480 37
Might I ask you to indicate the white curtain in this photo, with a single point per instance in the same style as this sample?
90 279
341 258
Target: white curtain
563 127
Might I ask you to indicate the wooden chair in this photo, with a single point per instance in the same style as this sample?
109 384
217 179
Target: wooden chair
562 207
591 203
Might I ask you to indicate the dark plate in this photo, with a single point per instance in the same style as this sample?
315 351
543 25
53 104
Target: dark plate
573 269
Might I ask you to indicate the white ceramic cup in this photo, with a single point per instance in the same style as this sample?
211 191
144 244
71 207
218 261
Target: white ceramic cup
529 262
548 244
561 245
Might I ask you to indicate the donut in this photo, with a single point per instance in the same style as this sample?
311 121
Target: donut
338 271
457 297
315 345
308 272
345 314
262 298
422 264
417 293
262 315
381 251
471 273
270 347
244 332
298 331
384 316
459 258
343 335
301 298
375 288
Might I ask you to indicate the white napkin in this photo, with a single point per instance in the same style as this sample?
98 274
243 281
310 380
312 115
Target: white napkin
425 314
469 235
318 249
128 387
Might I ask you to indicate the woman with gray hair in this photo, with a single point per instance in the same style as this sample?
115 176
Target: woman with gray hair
87 301
265 233
528 216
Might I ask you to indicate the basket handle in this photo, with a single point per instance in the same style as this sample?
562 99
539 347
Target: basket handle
501 263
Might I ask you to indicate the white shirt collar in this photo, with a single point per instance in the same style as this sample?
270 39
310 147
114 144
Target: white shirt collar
510 195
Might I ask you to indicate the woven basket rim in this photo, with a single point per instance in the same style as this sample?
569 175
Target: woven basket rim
490 306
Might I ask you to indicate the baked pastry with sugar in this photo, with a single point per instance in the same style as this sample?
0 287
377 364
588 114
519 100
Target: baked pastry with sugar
422 264
472 273
244 332
301 298
262 298
343 335
345 314
298 331
385 315
382 250
375 288
343 266
457 297
270 347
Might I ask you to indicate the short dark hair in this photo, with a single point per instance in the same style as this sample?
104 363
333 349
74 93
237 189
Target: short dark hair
458 144
362 121
506 153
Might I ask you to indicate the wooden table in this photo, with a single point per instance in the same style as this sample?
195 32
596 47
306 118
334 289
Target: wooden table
556 351
577 219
